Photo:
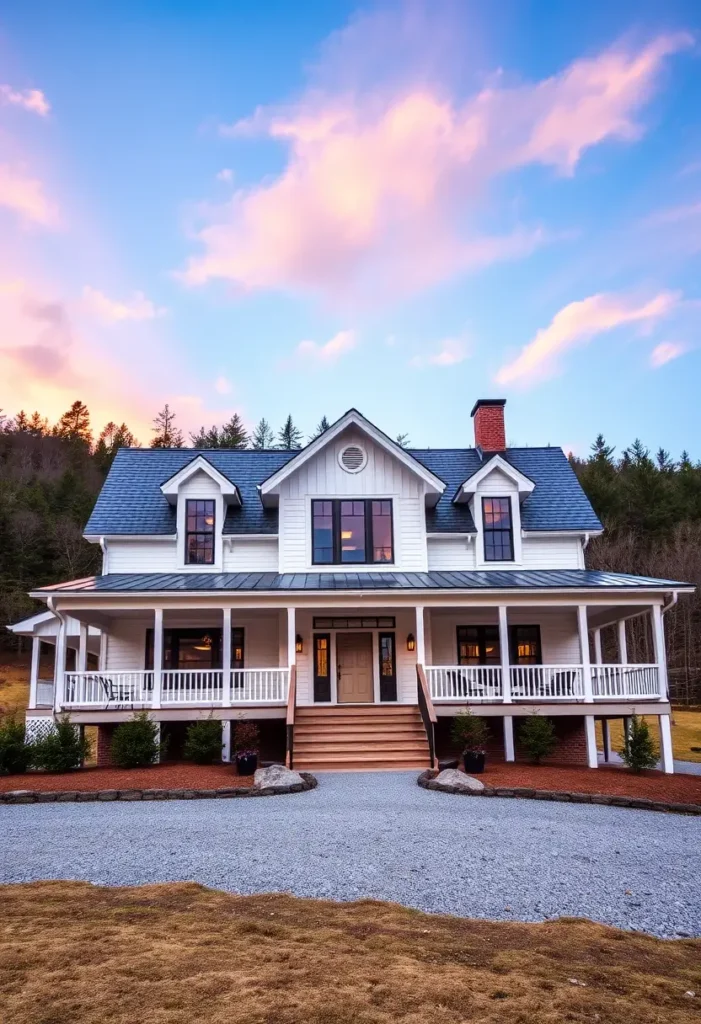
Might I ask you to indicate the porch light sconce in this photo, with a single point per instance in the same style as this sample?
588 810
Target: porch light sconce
410 642
299 645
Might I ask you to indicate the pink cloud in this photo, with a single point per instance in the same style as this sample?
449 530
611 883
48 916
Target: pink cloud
25 196
331 351
32 100
579 322
383 192
448 353
111 311
665 352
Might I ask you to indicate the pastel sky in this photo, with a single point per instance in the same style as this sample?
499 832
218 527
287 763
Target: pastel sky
277 207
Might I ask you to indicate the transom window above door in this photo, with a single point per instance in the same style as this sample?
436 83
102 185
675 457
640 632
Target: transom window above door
352 532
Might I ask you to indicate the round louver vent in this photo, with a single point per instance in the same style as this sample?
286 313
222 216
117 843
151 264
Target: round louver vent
352 458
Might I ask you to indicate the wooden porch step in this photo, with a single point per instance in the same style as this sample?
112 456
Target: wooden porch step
312 747
359 761
360 738
358 735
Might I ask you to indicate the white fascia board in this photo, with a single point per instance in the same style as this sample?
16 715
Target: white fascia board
561 533
27 626
434 484
200 464
467 489
95 538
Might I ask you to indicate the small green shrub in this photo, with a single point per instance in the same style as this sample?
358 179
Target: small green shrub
537 736
470 732
639 750
203 743
246 738
62 749
135 743
16 755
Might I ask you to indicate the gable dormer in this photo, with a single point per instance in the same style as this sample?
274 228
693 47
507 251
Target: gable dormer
201 496
494 494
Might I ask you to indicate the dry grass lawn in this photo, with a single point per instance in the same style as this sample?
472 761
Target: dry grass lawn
14 686
183 954
686 733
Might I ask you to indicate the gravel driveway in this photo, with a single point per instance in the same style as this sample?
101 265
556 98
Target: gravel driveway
379 835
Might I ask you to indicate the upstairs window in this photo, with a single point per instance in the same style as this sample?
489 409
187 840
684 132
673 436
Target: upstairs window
498 530
199 532
352 532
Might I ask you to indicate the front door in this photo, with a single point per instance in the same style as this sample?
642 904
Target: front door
354 668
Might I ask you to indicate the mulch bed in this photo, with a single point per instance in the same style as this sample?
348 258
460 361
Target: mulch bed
158 776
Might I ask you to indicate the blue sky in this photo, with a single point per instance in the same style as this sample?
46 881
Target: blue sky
272 208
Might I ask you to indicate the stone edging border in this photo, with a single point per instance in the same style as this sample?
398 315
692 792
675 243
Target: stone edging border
31 796
426 781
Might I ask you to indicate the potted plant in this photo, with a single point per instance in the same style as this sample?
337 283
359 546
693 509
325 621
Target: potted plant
471 733
246 737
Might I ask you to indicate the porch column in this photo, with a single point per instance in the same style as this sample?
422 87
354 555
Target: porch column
584 654
157 656
420 636
666 752
226 659
102 663
590 732
226 741
660 651
598 659
60 666
606 733
622 642
505 666
34 672
82 660
291 637
509 752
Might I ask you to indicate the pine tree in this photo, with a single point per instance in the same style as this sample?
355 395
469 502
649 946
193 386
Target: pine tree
289 438
321 428
639 751
38 425
21 422
262 436
403 440
167 434
74 425
206 438
601 452
233 434
111 439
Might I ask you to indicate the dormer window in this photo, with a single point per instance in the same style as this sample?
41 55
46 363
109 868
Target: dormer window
498 530
199 532
347 532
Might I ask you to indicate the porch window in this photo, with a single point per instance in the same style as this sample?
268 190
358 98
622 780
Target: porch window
525 645
199 532
478 645
350 532
498 530
196 648
322 667
388 667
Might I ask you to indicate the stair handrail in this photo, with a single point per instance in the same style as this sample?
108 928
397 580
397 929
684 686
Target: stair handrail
290 719
428 712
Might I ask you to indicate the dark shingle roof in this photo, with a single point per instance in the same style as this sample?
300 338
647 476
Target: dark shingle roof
531 579
131 501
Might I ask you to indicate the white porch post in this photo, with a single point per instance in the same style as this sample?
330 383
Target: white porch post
597 647
660 652
590 731
34 672
291 637
606 733
157 656
60 666
82 660
622 642
505 662
509 750
226 740
420 636
226 659
584 653
666 752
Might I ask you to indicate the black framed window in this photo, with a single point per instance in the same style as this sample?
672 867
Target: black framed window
478 645
199 532
525 645
322 666
352 532
196 648
498 530
388 666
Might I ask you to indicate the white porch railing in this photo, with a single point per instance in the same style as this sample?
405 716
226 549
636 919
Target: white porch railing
103 689
179 687
547 682
628 681
464 682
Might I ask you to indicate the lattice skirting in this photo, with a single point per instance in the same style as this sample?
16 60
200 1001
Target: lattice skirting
37 728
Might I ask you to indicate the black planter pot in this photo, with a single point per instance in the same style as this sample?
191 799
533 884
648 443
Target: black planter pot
246 764
474 763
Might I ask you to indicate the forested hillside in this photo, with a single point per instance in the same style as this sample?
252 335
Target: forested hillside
50 476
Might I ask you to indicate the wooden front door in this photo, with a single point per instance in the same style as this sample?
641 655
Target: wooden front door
354 668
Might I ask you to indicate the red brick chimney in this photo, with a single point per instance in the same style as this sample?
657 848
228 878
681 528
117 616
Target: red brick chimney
488 414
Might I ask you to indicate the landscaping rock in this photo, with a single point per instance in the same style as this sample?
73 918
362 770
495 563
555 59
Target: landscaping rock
457 782
276 778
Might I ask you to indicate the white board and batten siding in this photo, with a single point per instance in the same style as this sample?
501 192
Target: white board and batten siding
383 476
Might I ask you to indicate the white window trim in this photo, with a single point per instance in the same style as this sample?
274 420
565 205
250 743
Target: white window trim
219 513
480 560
